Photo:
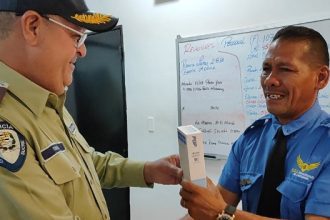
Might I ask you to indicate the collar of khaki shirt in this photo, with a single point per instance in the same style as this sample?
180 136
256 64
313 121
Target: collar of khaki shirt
32 95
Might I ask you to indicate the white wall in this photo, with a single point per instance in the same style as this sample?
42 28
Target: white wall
150 31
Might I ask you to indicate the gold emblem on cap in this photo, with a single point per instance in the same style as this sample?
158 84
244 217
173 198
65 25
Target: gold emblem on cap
92 18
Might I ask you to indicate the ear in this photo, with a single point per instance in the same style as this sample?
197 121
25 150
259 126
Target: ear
322 77
31 25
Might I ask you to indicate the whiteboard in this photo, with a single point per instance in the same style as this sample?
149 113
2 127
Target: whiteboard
219 90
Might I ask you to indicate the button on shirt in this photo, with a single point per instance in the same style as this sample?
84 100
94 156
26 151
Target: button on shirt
61 175
305 189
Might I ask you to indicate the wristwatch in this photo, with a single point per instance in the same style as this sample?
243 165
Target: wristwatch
227 213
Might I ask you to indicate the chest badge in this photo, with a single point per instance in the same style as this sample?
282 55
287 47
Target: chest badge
72 128
305 167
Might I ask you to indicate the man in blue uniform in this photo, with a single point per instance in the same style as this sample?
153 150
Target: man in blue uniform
295 68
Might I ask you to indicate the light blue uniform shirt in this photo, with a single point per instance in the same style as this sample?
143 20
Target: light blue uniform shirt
306 188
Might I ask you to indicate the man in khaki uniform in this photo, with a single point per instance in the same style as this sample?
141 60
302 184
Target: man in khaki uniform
47 169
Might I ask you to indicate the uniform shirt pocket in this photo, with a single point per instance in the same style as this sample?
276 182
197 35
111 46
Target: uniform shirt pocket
294 194
250 187
61 168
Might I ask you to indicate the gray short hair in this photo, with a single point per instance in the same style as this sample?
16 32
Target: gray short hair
7 20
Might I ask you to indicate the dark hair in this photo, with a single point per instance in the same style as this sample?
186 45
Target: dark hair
318 45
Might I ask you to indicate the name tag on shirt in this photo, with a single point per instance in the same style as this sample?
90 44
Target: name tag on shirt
52 150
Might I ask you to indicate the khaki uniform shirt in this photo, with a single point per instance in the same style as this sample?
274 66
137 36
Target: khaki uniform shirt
48 170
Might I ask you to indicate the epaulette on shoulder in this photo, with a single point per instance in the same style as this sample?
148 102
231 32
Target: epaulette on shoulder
258 123
3 89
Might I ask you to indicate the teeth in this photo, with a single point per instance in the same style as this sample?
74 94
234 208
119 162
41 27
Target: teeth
273 96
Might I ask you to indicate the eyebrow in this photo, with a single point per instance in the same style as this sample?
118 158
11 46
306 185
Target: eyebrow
280 62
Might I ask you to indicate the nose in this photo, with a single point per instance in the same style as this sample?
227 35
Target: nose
82 51
271 80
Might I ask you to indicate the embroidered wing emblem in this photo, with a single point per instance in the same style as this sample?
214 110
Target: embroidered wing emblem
12 148
305 166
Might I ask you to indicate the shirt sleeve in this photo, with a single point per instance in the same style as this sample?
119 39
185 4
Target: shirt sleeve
114 170
230 175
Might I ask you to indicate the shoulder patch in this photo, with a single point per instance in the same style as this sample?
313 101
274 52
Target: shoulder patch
12 147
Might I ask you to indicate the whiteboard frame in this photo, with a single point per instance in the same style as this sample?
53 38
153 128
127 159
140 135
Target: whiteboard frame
181 39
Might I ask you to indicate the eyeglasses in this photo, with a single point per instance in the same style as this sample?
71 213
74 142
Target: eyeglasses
82 38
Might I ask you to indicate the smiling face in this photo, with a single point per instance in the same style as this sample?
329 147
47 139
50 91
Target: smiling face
290 79
47 50
60 56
